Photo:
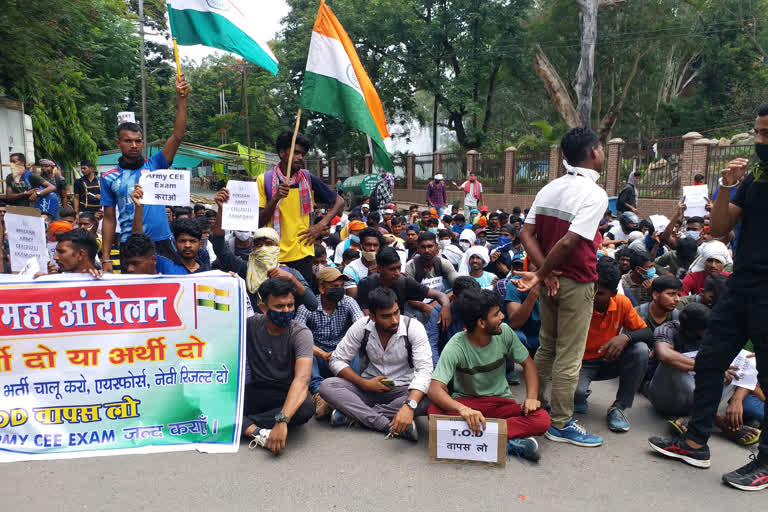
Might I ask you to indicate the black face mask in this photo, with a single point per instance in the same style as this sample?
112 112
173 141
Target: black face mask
138 164
335 294
761 150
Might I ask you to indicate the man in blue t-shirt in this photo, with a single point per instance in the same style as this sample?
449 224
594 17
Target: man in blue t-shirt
117 184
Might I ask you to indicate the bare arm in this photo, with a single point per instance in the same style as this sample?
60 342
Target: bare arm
519 313
138 211
725 215
531 244
669 230
667 355
297 393
171 145
108 234
558 254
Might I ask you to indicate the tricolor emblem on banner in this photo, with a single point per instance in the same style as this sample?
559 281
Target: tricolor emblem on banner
209 297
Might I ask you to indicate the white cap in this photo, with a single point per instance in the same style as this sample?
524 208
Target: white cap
438 177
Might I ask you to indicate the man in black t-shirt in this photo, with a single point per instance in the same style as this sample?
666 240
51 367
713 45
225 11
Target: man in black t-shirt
737 317
405 288
87 189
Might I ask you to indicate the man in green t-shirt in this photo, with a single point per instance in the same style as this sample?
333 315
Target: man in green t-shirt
476 360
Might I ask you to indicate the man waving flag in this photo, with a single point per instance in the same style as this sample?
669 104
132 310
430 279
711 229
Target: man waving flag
336 84
230 25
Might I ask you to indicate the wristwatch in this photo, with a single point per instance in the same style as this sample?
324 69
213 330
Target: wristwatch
282 418
412 404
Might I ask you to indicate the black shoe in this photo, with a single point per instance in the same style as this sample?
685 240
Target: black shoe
750 477
677 448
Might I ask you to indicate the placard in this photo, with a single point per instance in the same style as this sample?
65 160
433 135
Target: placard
26 237
696 200
452 441
241 212
167 187
126 117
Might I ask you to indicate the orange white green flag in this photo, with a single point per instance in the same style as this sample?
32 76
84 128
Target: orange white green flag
336 84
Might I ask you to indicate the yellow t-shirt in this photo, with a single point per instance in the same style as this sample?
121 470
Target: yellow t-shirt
291 224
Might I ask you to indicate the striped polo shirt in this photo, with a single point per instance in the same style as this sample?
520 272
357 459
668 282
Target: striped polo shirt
573 202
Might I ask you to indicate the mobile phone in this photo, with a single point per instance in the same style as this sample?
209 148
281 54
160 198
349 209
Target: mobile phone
388 382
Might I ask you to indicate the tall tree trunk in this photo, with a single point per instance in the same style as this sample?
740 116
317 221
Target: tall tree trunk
556 88
585 74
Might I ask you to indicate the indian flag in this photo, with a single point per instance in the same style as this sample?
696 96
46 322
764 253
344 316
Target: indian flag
336 84
210 297
229 25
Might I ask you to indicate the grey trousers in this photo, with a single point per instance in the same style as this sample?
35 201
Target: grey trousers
629 368
671 391
373 410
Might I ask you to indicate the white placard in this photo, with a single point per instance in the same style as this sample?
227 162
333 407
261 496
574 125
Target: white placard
30 269
26 239
455 441
695 200
660 222
433 283
51 246
167 187
241 212
126 117
747 371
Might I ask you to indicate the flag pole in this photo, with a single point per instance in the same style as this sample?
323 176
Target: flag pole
293 146
176 56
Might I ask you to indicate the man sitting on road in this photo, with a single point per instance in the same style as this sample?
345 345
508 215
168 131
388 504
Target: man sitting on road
637 282
389 391
615 347
277 370
328 324
476 362
438 338
430 270
371 241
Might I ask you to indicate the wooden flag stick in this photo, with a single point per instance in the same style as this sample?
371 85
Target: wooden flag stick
176 56
293 146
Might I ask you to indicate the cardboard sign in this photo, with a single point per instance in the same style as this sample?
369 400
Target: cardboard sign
26 237
167 187
696 200
241 212
451 440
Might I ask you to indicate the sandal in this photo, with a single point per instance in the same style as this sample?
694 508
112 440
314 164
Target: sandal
679 426
747 436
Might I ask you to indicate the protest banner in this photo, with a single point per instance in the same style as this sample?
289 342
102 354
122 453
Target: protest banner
452 441
26 237
120 365
695 200
168 187
241 212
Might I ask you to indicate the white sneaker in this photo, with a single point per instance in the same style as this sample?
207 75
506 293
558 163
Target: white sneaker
260 438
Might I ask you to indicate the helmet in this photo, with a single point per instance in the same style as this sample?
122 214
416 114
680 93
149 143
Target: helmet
629 222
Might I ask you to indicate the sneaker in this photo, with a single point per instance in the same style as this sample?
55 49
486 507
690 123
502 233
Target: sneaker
260 438
677 448
338 418
617 419
525 448
573 433
411 433
580 408
750 477
322 408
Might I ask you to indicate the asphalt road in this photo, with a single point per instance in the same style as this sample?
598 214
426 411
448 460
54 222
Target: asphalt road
358 470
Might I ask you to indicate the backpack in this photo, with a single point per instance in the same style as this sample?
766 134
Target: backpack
380 196
419 272
642 310
47 204
364 345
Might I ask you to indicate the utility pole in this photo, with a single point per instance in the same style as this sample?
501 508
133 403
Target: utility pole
247 119
143 79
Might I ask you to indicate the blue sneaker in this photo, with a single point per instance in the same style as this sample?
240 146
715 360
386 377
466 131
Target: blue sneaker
573 433
525 448
338 418
580 408
411 433
617 419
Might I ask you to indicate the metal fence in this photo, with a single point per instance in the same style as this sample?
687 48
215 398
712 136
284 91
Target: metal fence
490 172
719 156
422 172
660 164
531 172
454 166
401 171
342 168
319 168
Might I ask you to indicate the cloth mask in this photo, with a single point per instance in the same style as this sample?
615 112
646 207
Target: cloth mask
432 230
335 295
761 150
464 246
504 240
695 235
444 243
282 319
261 261
369 255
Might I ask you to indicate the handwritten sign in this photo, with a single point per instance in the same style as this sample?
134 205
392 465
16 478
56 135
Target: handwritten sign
241 212
26 237
169 187
451 440
695 200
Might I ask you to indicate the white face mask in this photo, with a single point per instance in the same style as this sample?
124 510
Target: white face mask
464 245
444 243
693 234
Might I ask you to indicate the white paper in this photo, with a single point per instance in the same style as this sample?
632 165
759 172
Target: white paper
51 246
695 200
433 283
660 222
126 117
453 436
26 239
30 269
241 212
747 371
167 187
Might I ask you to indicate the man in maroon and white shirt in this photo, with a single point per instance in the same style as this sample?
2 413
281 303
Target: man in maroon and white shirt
561 236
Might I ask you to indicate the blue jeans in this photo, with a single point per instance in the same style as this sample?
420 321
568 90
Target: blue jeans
753 409
321 371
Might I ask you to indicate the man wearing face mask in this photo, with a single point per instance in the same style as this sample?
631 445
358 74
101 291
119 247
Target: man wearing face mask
352 241
371 242
473 190
467 239
262 262
637 282
328 325
627 199
241 244
448 249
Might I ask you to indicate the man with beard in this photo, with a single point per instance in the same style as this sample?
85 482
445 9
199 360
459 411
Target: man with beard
430 270
480 386
118 184
76 252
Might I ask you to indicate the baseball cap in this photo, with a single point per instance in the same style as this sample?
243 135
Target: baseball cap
438 177
479 230
483 208
330 274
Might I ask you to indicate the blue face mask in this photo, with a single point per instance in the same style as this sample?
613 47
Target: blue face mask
650 273
282 319
504 240
693 234
432 230
354 239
